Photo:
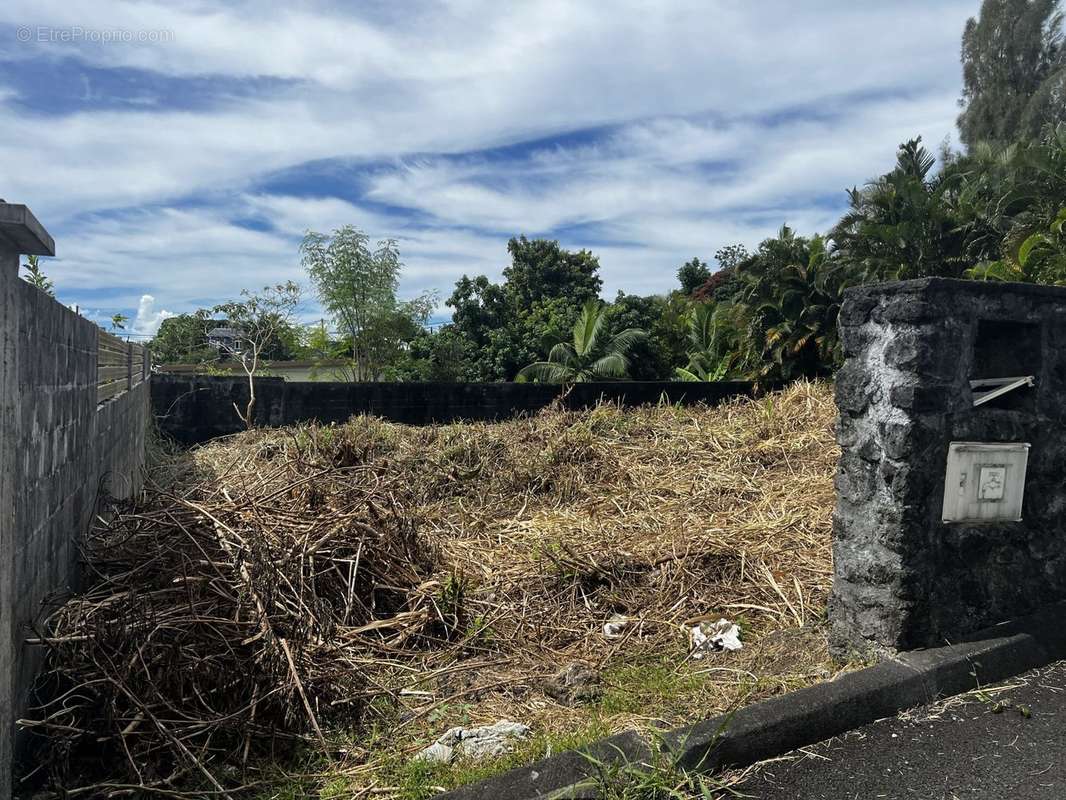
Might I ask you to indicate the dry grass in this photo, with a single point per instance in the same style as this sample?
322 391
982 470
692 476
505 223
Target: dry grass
434 576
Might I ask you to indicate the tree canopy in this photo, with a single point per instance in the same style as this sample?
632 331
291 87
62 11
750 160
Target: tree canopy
505 326
692 275
1014 71
593 355
357 284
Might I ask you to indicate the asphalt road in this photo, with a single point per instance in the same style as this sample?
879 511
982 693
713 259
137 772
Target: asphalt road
976 746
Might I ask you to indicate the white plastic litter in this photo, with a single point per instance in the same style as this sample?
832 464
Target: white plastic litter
616 626
485 741
713 637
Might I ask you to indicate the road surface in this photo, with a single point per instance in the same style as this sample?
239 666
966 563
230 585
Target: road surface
1000 743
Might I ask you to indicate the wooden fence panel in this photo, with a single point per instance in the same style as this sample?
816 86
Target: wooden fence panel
106 391
114 366
119 366
108 374
136 364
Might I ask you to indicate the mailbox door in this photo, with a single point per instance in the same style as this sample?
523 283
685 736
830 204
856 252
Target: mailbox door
984 482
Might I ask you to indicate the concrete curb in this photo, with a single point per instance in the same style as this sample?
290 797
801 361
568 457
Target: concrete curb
776 726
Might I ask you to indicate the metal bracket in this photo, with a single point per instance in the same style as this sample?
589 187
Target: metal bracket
996 387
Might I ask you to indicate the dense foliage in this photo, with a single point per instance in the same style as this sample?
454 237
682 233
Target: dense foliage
497 329
357 286
1014 71
592 356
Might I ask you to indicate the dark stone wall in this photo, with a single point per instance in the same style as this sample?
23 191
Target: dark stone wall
59 450
194 409
902 577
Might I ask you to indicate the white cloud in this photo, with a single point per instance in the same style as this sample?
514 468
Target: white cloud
652 183
449 79
711 122
148 319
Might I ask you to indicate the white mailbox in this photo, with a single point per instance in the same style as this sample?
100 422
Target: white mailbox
985 482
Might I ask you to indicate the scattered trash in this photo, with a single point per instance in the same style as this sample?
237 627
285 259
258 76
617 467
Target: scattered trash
616 626
485 741
712 637
437 752
574 684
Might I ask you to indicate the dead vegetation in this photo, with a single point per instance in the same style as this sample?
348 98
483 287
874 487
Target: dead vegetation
359 588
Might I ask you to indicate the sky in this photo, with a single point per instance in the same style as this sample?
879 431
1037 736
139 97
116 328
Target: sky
178 151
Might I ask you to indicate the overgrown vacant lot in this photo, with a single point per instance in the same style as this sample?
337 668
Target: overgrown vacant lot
299 611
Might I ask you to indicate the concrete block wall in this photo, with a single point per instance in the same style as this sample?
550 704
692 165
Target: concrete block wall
194 409
58 450
904 578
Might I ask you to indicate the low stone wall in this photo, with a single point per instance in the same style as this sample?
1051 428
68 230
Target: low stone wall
194 409
904 578
59 451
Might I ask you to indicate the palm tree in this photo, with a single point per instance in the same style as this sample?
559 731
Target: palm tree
588 358
902 224
704 361
783 319
1040 258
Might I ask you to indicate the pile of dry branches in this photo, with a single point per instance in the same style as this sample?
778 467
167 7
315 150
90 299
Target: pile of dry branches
230 613
293 577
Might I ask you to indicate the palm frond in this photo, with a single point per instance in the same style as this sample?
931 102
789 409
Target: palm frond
546 372
563 354
612 365
624 341
587 329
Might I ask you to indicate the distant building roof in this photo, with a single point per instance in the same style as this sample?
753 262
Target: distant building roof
223 333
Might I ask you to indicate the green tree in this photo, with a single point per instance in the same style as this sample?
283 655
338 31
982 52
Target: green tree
505 326
795 290
1014 71
722 285
541 271
654 357
315 344
183 339
692 275
357 285
705 363
591 356
731 256
1040 258
443 355
286 343
903 224
35 277
783 322
480 307
259 318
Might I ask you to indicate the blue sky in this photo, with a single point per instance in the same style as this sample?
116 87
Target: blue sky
177 151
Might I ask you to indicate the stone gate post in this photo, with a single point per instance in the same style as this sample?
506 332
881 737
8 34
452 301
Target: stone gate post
921 558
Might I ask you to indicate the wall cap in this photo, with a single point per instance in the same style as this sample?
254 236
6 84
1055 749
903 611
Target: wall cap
955 286
20 231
